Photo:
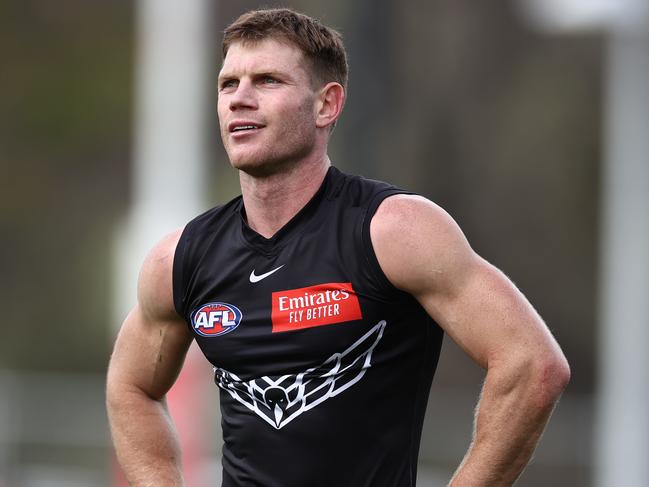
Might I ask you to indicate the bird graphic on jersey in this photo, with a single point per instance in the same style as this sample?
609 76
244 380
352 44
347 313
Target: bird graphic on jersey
280 400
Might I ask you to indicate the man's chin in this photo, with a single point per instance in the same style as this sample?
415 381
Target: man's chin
260 168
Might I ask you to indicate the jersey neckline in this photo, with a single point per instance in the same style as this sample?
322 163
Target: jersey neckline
303 216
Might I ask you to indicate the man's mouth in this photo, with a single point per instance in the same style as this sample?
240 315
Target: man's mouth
244 127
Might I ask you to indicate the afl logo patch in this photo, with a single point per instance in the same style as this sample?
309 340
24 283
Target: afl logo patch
214 319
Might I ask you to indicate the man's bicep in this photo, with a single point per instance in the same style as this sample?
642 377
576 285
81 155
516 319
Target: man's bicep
488 317
152 343
148 354
423 252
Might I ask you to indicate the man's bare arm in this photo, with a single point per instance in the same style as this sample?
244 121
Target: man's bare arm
422 251
147 358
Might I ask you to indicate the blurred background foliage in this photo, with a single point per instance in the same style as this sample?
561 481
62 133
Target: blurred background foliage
65 145
458 100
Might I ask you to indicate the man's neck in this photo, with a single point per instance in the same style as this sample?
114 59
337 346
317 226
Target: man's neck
271 201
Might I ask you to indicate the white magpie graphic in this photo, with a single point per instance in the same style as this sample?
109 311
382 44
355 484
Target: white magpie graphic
280 400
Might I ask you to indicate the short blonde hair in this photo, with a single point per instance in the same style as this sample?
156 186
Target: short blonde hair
322 46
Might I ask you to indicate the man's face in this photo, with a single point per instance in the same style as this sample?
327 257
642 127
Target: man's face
266 106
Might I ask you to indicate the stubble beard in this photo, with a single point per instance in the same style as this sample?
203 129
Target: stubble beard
294 142
282 160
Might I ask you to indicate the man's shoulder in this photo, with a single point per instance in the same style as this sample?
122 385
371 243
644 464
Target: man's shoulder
409 207
155 294
414 217
408 231
156 279
160 257
361 190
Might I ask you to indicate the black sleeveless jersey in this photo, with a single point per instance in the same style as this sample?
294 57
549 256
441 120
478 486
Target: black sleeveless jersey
323 366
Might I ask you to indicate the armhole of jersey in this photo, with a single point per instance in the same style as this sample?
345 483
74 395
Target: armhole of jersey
179 285
366 239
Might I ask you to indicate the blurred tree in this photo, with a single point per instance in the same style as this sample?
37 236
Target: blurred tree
64 133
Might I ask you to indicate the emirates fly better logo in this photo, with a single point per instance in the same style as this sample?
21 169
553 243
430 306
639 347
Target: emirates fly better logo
323 304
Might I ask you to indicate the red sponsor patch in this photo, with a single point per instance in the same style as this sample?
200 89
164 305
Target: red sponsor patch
324 304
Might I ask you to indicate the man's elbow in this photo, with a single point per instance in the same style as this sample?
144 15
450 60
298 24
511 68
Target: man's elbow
553 375
117 398
122 395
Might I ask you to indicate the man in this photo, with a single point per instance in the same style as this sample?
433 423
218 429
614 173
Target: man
320 299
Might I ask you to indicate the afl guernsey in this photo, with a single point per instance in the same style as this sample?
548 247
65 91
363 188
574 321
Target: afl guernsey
323 366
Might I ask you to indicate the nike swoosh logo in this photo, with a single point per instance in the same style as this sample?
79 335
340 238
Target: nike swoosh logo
256 278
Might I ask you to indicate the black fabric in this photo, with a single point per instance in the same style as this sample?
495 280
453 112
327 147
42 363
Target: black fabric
334 396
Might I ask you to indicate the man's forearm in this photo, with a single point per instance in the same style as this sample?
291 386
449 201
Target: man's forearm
145 440
513 410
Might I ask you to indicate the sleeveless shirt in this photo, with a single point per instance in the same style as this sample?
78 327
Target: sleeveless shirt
323 366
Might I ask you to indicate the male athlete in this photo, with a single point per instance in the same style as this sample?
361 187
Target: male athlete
321 300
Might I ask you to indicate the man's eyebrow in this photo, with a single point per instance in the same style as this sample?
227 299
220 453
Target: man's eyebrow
225 75
274 73
256 73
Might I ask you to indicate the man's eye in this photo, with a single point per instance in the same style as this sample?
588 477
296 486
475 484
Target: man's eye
270 80
229 83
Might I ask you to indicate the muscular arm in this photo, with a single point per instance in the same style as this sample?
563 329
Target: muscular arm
147 358
422 251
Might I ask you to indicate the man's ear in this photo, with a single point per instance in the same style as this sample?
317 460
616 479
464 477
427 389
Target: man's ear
331 99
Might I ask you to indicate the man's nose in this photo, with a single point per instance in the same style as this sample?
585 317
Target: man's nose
244 96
